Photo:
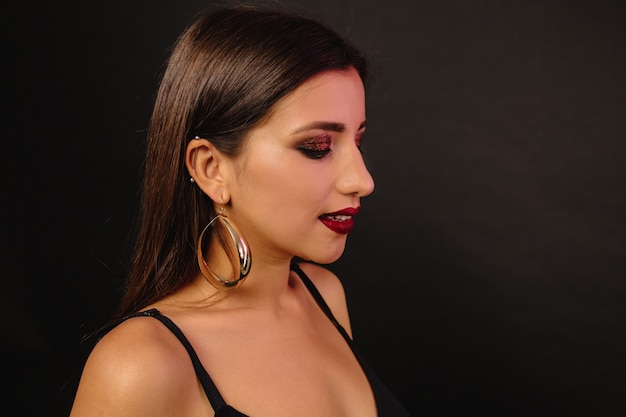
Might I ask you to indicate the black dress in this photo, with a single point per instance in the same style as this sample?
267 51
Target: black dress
387 405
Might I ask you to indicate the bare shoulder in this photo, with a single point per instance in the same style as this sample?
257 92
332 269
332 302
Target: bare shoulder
331 288
137 369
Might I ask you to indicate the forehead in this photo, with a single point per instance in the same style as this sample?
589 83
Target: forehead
331 96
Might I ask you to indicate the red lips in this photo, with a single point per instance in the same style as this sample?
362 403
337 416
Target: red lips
341 221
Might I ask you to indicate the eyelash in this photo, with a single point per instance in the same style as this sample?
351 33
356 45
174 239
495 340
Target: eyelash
359 141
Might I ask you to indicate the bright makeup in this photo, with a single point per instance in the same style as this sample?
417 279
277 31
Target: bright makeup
341 221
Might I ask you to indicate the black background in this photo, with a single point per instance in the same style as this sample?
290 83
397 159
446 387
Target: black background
486 275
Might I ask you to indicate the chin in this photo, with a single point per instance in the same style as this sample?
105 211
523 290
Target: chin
328 258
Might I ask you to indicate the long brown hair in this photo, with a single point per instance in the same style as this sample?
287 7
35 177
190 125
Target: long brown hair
226 71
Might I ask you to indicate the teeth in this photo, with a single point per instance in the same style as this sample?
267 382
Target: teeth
340 218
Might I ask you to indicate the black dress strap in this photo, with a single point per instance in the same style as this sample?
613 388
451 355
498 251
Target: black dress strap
319 299
215 398
386 404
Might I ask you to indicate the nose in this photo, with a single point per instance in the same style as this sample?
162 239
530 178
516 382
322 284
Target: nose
354 176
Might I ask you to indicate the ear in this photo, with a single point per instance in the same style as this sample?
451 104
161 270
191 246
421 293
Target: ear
206 166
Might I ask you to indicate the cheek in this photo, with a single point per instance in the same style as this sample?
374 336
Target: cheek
284 185
262 181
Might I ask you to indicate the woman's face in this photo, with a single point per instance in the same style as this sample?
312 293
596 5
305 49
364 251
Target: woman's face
298 181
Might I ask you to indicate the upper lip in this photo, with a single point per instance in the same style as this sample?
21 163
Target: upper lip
348 211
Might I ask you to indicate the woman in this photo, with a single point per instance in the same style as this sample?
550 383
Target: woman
253 162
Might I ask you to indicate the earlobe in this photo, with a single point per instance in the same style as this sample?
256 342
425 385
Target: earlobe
204 163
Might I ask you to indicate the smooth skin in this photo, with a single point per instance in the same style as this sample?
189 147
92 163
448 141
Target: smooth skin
267 345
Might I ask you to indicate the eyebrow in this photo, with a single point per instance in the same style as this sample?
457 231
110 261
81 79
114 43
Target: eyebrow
330 126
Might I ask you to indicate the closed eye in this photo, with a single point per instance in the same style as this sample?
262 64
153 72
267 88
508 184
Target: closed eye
317 147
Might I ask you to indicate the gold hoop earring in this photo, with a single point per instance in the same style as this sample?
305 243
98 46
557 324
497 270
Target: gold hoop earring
241 259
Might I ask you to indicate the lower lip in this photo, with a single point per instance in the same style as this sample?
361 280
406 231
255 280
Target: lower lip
341 227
